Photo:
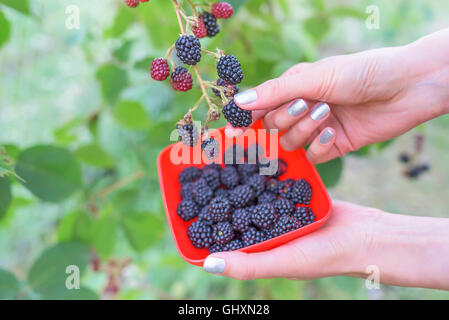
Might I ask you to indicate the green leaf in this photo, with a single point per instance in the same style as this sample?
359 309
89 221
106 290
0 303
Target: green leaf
76 226
142 229
132 115
346 11
64 134
317 27
19 5
319 5
50 173
105 236
9 285
112 80
122 21
268 49
5 195
47 275
330 171
143 64
5 29
124 51
94 155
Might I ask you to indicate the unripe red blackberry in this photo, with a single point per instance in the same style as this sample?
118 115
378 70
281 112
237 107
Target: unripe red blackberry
188 49
211 23
230 69
222 10
237 116
144 0
199 28
159 69
132 3
181 79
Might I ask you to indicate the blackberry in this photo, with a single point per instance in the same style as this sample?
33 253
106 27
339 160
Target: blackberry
181 79
200 235
214 166
253 236
212 178
188 134
234 245
241 196
236 116
205 215
304 215
229 177
216 248
187 210
281 167
229 69
257 182
263 215
132 3
202 193
241 220
404 157
229 89
188 49
222 193
189 174
246 170
199 28
210 148
284 206
266 197
285 224
186 191
222 10
273 186
302 192
211 24
222 232
220 209
286 187
159 69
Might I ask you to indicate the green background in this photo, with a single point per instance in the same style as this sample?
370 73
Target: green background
82 124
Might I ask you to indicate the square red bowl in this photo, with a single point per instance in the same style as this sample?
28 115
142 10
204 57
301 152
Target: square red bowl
298 167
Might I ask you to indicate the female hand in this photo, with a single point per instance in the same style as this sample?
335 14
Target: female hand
370 97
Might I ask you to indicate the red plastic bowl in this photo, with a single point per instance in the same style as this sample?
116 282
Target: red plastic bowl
298 167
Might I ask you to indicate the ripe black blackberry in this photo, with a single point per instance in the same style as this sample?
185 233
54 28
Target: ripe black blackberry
284 206
181 79
234 245
222 232
273 186
189 134
229 89
188 49
212 178
222 193
285 224
216 248
253 236
305 215
281 167
236 116
211 24
205 215
263 215
257 182
210 148
301 192
230 69
187 210
266 197
241 196
214 166
200 235
241 220
246 170
189 174
186 191
286 187
220 209
229 177
202 193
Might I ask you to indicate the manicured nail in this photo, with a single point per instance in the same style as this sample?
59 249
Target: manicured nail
214 265
320 111
245 97
297 107
326 136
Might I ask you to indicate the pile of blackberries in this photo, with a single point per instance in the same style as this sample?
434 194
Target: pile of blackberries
235 207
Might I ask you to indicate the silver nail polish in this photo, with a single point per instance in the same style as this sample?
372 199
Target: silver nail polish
320 111
245 97
214 265
326 136
297 107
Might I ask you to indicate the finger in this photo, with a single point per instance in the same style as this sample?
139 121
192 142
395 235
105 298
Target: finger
288 114
321 146
298 135
231 131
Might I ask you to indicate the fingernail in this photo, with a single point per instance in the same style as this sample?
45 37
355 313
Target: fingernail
320 111
326 136
297 107
245 97
214 265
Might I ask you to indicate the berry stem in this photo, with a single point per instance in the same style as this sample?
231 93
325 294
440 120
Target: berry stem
178 15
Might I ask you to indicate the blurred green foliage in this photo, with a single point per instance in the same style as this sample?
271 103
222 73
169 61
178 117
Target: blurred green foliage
79 186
